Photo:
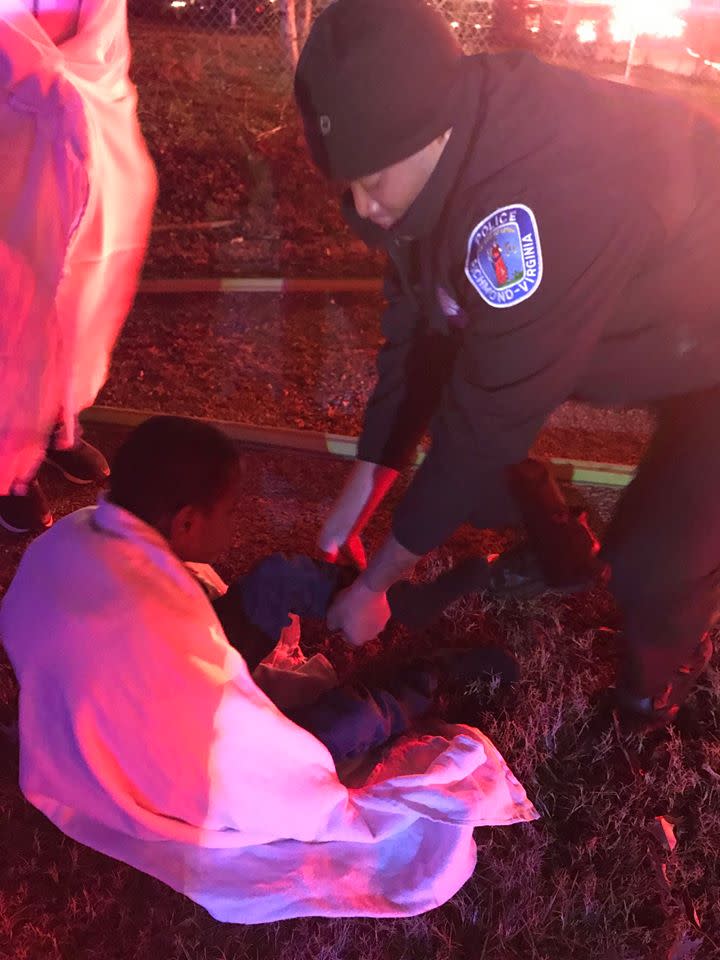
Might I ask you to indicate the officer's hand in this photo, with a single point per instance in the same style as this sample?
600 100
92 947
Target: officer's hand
359 613
363 491
335 544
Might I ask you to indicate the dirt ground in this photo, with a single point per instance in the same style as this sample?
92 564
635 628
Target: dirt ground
218 116
302 361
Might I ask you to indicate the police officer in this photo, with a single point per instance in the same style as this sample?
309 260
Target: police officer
550 235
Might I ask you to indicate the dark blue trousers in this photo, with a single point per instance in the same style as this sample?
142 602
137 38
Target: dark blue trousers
353 718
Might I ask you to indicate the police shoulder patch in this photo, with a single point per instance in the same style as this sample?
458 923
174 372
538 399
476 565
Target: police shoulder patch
504 257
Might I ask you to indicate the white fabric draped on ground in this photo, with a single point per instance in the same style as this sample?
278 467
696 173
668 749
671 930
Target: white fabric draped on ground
144 736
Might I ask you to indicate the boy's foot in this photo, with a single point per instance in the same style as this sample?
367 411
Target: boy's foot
418 605
26 513
81 464
515 573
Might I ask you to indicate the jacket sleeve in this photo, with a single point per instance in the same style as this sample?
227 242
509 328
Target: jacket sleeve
413 366
513 367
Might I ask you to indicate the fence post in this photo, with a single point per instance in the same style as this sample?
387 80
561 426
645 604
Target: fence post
631 54
289 29
307 21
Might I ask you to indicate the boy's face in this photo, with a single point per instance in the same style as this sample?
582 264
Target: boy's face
203 535
385 197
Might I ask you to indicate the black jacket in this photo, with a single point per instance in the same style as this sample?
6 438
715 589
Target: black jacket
611 294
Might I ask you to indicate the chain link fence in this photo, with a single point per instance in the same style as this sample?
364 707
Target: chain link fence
237 193
680 37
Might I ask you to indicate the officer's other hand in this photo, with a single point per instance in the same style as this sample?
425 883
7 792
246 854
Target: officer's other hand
359 613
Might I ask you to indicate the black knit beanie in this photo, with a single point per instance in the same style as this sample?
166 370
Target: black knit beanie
377 81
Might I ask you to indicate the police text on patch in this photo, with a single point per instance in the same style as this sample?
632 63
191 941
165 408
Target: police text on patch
504 257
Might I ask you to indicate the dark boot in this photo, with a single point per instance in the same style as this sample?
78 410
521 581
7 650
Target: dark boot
564 548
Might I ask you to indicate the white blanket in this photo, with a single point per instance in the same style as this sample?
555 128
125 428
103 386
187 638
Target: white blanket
143 735
77 190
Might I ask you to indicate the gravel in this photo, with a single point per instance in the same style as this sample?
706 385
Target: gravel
301 361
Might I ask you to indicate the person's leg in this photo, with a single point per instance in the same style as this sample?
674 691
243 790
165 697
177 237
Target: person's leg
280 585
257 607
559 552
82 463
418 605
26 509
354 719
29 511
350 719
663 547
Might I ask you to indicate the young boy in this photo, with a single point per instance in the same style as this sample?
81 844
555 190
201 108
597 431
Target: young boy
144 735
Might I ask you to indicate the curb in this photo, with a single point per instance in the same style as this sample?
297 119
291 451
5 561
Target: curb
586 472
261 285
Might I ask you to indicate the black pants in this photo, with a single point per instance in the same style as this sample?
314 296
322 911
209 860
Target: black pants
662 545
350 719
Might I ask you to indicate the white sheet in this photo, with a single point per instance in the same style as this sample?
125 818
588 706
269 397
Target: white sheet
144 736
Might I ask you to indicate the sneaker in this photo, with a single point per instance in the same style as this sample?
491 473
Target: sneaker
26 513
418 605
80 464
651 713
514 573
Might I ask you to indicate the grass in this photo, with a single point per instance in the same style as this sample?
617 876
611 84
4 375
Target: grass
592 879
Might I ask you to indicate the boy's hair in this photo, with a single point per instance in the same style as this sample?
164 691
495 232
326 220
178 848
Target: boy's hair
168 463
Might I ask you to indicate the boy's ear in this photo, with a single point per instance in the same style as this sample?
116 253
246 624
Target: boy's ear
182 523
